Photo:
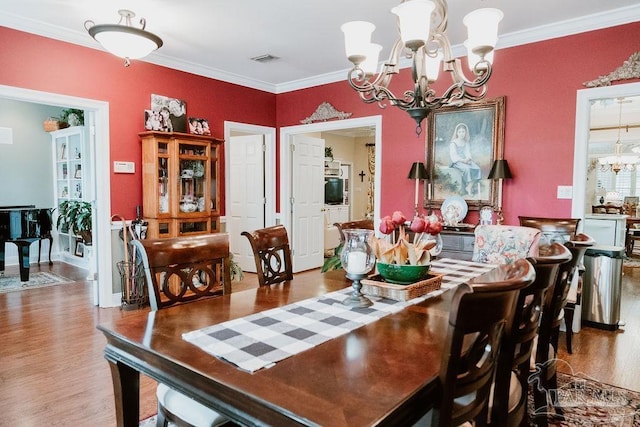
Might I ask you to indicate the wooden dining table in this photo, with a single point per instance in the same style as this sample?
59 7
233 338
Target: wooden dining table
383 373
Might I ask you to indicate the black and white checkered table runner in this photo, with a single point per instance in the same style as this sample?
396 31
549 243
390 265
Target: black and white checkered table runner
260 340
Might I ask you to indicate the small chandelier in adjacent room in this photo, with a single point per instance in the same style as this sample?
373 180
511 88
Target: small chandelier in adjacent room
422 25
123 39
618 161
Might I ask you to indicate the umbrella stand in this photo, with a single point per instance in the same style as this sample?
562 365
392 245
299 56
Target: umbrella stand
132 280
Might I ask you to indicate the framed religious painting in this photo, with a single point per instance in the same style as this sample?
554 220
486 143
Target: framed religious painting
462 144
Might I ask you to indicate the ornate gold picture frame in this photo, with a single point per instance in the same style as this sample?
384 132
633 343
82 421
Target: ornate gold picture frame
462 144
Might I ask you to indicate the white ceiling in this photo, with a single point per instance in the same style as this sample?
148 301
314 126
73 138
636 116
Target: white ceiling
217 38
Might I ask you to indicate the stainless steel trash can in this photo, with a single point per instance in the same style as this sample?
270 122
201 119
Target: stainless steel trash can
601 288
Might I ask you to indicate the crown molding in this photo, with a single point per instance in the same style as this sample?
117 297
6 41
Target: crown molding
593 22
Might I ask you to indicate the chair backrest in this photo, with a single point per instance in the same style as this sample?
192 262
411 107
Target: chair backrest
518 345
272 254
553 229
183 269
366 224
481 312
503 244
556 298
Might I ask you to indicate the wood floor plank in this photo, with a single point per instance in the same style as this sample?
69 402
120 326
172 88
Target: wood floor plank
52 368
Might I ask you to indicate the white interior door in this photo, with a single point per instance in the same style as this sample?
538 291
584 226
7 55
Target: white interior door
246 195
307 188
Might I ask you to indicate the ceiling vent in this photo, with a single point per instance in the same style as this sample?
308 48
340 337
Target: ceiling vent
264 58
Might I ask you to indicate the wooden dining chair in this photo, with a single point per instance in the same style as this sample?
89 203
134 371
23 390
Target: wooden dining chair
545 376
553 229
177 271
366 224
272 254
509 406
481 313
560 230
503 244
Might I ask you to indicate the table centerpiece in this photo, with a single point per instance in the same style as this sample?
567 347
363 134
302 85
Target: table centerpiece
402 258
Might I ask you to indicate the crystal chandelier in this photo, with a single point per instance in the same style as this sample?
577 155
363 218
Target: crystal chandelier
123 39
422 25
618 161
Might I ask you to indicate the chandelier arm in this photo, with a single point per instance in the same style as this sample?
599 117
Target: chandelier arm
375 91
421 98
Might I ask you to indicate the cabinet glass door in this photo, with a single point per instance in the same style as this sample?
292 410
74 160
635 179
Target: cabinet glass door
192 183
163 177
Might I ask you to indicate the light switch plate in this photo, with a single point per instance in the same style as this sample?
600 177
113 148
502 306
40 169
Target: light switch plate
565 191
124 167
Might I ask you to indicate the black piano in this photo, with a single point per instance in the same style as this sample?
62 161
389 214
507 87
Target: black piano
23 225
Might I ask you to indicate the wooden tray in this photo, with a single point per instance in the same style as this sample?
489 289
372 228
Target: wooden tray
376 286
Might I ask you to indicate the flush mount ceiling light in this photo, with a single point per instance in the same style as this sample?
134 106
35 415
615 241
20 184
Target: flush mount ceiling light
422 25
123 39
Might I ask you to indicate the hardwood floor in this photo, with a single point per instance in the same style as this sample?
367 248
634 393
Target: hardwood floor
52 369
611 357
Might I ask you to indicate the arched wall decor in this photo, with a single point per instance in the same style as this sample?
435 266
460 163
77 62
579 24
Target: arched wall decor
630 69
324 112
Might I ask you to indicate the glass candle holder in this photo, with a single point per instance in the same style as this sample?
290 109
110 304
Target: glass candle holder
357 260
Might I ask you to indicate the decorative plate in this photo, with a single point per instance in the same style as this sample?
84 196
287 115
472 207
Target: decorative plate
459 203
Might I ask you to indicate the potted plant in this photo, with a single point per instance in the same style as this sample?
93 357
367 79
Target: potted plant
72 116
328 153
75 216
236 271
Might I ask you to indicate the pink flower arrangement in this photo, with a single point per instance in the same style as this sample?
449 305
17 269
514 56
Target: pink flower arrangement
402 251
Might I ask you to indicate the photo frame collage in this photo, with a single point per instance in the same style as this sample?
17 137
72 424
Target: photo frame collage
170 115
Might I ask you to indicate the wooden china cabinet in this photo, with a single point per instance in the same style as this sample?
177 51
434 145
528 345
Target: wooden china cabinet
180 183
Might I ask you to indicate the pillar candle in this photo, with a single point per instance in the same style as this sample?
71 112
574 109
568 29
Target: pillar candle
357 263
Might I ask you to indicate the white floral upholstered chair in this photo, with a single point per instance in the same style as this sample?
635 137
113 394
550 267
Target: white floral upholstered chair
503 244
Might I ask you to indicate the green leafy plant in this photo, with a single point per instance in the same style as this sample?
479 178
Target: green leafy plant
72 116
75 216
236 272
333 262
328 152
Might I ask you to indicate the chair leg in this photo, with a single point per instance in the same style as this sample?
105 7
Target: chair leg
540 407
161 420
50 246
568 320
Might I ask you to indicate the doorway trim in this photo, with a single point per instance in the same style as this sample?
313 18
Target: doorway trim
286 139
269 135
98 122
584 100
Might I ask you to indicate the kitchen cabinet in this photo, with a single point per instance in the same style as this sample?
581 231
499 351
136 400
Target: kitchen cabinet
606 229
336 213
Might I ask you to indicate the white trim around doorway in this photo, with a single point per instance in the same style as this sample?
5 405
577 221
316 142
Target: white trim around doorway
286 138
98 122
269 135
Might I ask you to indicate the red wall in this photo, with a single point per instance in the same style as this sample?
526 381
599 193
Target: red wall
48 65
539 82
